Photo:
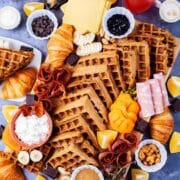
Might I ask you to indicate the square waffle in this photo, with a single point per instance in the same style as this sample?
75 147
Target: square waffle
70 158
101 71
110 58
96 83
77 123
11 61
159 32
81 106
128 63
90 92
62 141
33 167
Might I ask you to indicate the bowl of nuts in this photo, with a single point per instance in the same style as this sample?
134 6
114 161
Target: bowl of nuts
151 155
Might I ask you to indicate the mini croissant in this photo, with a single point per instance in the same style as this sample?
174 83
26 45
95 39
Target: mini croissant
19 84
161 126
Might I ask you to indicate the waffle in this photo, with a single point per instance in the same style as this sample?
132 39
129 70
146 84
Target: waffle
11 61
128 63
81 106
101 71
70 158
110 58
89 91
158 32
77 123
62 141
96 84
159 52
33 167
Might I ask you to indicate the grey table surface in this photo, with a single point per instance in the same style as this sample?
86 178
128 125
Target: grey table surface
171 170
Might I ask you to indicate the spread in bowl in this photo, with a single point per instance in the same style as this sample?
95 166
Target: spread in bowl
31 130
9 18
87 172
118 22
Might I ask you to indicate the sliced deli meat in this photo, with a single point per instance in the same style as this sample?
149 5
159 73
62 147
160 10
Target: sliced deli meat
145 99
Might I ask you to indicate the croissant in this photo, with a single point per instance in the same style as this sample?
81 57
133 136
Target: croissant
161 126
60 45
8 169
19 84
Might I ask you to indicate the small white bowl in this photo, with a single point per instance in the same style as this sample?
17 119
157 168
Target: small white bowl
122 11
77 170
40 13
157 166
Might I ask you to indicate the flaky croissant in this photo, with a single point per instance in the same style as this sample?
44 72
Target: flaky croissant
19 84
60 45
8 169
161 126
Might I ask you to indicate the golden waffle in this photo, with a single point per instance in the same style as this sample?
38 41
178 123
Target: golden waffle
77 123
11 61
101 71
158 32
89 91
128 63
62 141
96 83
81 106
70 158
158 52
110 58
34 167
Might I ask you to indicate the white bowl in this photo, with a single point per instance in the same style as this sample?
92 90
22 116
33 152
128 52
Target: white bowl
77 170
157 166
122 11
39 13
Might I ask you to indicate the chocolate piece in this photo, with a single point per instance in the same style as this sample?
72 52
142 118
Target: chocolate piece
1 130
175 105
25 48
141 125
72 59
53 173
30 98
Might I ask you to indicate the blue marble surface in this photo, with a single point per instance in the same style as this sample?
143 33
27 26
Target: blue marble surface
171 170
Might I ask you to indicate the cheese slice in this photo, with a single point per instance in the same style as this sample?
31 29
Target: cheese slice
85 15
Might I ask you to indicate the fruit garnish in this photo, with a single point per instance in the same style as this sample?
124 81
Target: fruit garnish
39 177
173 86
106 137
23 157
30 7
174 145
36 155
138 174
38 108
9 141
8 112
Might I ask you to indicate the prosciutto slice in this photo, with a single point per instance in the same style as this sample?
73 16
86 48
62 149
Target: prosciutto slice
44 73
119 146
156 96
145 99
131 138
161 80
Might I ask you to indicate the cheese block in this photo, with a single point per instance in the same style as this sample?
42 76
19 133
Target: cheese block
85 15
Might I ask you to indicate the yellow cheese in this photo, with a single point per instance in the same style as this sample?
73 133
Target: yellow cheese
85 15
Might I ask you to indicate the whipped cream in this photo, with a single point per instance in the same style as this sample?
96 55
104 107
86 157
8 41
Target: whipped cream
31 129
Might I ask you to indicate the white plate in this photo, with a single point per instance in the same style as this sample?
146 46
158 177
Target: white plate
36 62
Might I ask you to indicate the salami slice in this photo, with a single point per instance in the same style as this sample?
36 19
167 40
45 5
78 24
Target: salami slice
131 138
107 158
156 96
44 73
161 80
145 99
124 158
119 146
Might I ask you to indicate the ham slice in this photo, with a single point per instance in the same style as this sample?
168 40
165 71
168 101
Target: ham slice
156 96
145 101
161 80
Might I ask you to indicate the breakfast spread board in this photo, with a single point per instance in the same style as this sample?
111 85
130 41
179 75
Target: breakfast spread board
104 85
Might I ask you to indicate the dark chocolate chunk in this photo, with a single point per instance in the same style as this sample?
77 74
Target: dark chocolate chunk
141 125
1 130
30 98
25 48
72 59
51 172
175 105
